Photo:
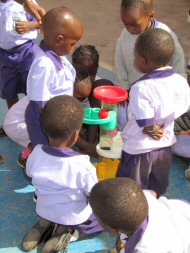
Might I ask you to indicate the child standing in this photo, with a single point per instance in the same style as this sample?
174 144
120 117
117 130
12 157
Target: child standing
138 16
145 224
156 100
17 49
63 178
51 74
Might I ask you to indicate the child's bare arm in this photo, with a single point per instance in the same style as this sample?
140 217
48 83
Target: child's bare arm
25 26
155 131
86 147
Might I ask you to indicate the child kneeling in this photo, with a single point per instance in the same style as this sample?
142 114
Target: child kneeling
63 178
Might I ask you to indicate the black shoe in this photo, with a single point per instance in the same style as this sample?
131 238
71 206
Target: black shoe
2 132
35 198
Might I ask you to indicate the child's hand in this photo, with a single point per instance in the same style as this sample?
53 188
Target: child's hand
157 133
24 26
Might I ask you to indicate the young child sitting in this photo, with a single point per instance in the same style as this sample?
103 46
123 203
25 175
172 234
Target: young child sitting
17 49
51 74
156 100
145 224
85 60
63 178
137 17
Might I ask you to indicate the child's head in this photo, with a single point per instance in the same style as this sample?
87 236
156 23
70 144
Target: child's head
62 118
86 58
61 30
153 49
82 85
137 15
119 204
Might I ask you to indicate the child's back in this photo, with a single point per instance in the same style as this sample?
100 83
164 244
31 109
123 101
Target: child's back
63 179
156 100
162 96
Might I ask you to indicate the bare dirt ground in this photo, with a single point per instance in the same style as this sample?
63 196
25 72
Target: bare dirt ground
101 20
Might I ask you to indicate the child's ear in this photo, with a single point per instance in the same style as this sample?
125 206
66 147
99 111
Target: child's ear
59 38
151 14
77 135
73 138
144 61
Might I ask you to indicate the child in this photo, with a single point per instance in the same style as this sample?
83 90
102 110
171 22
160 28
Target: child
17 49
145 224
85 60
156 100
138 16
63 178
51 74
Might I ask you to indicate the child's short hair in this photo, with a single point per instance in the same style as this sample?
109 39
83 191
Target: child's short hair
156 45
120 203
85 53
146 6
62 116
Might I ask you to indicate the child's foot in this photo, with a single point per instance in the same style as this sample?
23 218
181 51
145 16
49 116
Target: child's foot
40 232
187 173
21 161
60 239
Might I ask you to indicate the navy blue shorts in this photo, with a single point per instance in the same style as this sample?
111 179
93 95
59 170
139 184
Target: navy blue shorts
14 67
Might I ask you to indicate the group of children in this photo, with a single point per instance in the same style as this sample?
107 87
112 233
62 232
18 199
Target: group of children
48 121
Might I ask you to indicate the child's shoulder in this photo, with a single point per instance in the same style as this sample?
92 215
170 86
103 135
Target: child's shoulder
163 26
82 161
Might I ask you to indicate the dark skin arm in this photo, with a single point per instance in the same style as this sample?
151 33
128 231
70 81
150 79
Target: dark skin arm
155 131
86 147
33 9
25 26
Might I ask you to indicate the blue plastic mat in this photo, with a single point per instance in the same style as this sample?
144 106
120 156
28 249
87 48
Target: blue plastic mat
17 210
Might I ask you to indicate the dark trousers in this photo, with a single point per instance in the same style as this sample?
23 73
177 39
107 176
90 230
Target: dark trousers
150 170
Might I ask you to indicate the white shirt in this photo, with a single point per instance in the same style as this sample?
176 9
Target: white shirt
158 98
126 72
166 229
63 179
48 77
9 12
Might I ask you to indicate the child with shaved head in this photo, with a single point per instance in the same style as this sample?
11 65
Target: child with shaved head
51 74
145 224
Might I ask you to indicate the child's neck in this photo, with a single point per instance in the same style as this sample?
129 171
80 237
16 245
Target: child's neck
58 144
